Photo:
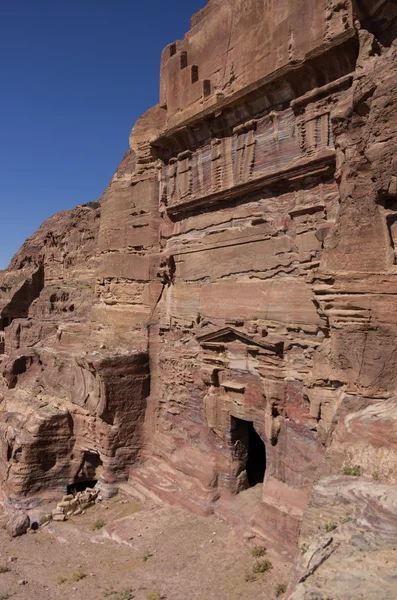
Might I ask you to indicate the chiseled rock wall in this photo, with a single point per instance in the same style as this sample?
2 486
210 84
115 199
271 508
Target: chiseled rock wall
358 553
248 197
244 263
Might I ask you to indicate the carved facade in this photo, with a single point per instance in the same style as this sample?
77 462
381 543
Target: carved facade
246 259
247 198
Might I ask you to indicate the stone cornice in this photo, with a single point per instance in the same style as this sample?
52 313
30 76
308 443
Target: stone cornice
322 163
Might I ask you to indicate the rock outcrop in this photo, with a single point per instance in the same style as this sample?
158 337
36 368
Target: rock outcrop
63 402
244 263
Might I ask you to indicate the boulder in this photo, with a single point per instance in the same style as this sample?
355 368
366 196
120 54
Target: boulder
17 524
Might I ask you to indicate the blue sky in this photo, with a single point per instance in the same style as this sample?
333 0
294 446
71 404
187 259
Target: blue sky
75 76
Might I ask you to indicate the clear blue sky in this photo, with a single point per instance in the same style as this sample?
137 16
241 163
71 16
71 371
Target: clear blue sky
75 76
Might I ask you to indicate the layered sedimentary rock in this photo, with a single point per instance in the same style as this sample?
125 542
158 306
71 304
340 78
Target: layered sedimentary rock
62 402
245 263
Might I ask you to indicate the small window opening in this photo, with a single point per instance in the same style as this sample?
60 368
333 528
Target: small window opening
183 60
195 73
172 49
206 87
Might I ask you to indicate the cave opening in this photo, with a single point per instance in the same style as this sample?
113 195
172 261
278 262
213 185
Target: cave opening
253 456
88 472
81 486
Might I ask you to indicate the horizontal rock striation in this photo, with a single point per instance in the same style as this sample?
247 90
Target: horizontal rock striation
63 403
224 335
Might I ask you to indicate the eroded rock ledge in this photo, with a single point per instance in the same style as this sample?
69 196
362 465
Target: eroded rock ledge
243 265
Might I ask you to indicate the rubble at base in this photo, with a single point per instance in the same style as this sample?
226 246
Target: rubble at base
73 505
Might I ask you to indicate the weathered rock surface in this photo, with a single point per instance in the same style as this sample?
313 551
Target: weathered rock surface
62 401
358 559
17 524
244 260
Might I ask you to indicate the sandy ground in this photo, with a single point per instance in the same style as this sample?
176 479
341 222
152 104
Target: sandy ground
145 552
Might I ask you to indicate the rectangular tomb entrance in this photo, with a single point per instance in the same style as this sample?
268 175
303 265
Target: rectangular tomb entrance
249 450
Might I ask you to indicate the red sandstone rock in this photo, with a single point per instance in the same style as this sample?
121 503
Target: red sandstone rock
245 262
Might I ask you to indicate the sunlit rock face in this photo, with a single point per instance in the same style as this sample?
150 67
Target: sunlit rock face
70 411
224 334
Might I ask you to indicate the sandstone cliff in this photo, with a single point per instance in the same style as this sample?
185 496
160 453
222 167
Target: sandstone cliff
62 403
245 262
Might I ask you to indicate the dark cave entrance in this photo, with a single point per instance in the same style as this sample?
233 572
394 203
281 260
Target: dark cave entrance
88 472
81 486
251 450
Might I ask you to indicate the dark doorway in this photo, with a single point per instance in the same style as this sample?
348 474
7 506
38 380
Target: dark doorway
256 463
251 450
